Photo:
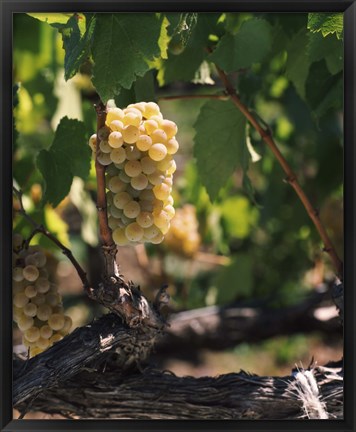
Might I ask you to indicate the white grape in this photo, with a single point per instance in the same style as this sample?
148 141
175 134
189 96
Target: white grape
139 182
157 152
105 147
120 199
130 134
118 155
132 209
134 232
133 168
115 139
144 142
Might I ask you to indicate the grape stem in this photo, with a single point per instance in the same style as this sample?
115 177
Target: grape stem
43 230
108 245
266 135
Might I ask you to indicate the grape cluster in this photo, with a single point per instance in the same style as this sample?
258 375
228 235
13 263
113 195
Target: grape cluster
137 146
183 236
37 305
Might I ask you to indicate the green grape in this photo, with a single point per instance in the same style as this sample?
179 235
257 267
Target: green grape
134 232
115 139
156 178
145 219
30 273
32 334
118 155
132 209
151 109
116 125
114 114
20 299
172 146
17 274
124 177
116 185
46 332
25 323
131 118
56 321
92 142
104 158
105 147
139 182
120 199
159 136
162 191
42 344
157 152
113 222
42 285
133 168
115 212
44 312
151 232
119 237
39 299
130 134
150 126
147 195
144 142
30 310
132 153
170 128
148 165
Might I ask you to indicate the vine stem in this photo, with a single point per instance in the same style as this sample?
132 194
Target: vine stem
108 245
291 178
42 229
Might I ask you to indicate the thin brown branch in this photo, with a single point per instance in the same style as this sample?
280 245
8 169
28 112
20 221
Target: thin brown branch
291 176
108 245
195 96
43 230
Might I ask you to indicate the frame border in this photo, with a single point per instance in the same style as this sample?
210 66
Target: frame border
7 8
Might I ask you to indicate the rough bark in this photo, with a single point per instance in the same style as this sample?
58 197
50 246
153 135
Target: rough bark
220 328
83 348
159 395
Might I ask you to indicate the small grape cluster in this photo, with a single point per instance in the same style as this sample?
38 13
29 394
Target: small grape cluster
183 236
37 305
137 146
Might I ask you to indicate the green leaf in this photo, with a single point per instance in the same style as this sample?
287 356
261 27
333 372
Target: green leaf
67 157
326 23
143 89
184 66
238 215
122 46
236 280
164 38
298 62
329 48
219 142
52 18
324 91
249 45
76 45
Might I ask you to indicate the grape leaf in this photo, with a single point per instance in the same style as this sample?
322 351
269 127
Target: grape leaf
219 143
329 48
67 157
249 45
183 66
123 44
52 18
235 280
298 62
326 23
141 90
323 90
76 45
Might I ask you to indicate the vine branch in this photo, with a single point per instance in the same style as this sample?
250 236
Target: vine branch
108 245
291 176
38 228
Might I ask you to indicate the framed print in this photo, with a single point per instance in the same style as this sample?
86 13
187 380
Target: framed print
177 216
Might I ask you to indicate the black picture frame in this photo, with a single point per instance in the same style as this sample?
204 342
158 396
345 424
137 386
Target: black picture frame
9 7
